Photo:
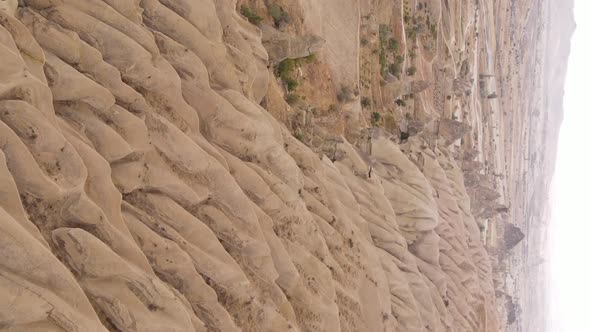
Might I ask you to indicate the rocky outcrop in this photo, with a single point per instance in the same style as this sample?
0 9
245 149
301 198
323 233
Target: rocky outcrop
452 130
392 91
512 236
281 45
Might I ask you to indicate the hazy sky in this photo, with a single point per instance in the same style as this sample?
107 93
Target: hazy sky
570 229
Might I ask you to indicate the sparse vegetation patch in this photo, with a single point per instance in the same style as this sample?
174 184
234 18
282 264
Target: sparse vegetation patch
375 118
345 94
251 15
292 98
279 16
286 71
388 49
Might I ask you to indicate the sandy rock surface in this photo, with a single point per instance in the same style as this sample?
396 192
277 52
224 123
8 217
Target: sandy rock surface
145 184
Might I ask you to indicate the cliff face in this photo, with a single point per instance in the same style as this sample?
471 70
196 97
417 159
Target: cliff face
155 175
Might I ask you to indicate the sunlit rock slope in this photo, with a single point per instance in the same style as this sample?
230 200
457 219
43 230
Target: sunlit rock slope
152 178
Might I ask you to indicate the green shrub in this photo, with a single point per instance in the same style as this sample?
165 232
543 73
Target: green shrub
279 15
433 29
292 98
399 59
383 32
412 33
411 71
299 136
375 118
286 68
251 15
392 45
286 71
345 94
383 61
366 102
291 83
308 59
395 69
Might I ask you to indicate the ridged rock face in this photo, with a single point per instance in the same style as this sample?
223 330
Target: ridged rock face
144 188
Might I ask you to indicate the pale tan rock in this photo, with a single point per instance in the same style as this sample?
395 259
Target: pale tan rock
38 292
143 187
9 6
129 298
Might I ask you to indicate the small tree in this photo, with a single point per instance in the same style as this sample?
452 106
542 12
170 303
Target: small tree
411 71
366 102
395 69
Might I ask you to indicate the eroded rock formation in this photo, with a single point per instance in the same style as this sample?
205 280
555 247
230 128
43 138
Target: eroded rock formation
144 188
282 45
